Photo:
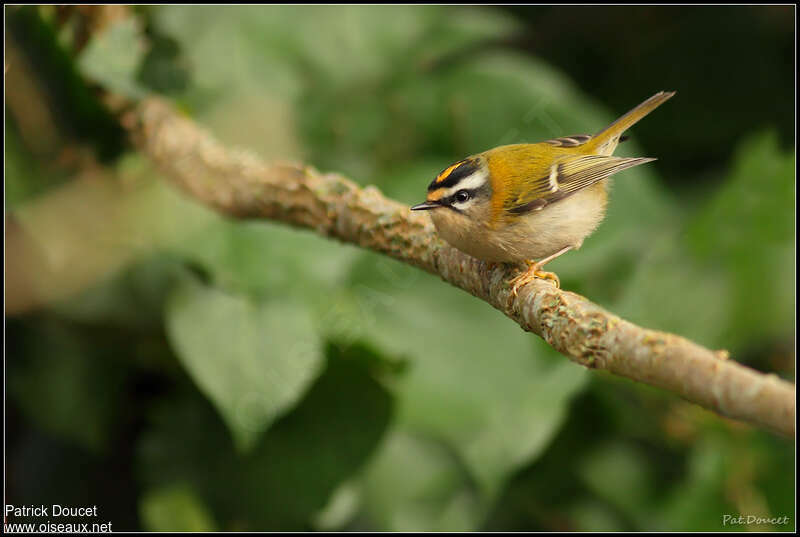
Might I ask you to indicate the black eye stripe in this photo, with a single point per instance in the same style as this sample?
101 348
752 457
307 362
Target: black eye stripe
473 192
465 169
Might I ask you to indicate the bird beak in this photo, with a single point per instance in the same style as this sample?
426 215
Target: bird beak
425 206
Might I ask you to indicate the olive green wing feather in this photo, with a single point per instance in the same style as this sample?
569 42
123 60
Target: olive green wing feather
567 176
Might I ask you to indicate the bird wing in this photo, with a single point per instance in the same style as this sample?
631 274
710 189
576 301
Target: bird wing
567 176
572 140
575 140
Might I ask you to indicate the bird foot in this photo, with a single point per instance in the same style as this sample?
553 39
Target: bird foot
534 271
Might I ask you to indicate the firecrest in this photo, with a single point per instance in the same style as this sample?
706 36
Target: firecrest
525 202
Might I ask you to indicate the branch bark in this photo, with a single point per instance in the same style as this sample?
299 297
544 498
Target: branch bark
239 184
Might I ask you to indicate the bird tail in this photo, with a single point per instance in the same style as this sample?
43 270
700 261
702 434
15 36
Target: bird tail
607 139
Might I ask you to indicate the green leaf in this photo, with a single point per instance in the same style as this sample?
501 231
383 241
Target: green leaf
436 496
176 508
324 442
253 359
341 508
113 58
291 471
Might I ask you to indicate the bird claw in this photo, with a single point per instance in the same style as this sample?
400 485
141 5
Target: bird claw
552 276
531 274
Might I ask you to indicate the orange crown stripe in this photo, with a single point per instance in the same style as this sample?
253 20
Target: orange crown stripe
442 176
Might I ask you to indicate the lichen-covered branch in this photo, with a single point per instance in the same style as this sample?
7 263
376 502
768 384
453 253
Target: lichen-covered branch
241 185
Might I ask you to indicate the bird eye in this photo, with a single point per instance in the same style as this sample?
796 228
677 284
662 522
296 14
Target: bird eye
462 196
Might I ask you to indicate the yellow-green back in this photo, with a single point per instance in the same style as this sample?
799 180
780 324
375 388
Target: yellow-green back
528 177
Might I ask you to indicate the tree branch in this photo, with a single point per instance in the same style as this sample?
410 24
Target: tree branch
240 185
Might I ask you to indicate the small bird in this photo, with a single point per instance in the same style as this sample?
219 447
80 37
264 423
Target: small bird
525 202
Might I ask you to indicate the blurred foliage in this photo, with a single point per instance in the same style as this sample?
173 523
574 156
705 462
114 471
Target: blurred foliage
114 57
79 114
252 360
225 375
742 80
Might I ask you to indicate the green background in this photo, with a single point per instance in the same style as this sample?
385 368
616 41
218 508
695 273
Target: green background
191 372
